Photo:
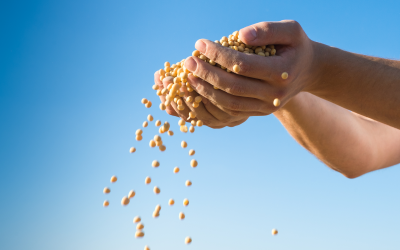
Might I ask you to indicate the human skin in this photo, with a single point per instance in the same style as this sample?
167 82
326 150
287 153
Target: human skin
366 85
345 141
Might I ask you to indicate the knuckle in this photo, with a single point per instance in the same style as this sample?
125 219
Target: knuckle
237 89
234 105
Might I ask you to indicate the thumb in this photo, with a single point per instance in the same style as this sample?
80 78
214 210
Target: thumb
265 33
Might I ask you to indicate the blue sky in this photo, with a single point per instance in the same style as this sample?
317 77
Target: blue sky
72 74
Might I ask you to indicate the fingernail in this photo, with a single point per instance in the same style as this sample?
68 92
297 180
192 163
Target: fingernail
248 34
191 64
200 46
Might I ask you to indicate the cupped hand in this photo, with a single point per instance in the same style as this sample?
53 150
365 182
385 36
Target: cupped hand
206 111
251 92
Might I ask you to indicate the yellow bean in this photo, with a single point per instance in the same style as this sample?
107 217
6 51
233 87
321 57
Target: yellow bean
139 226
167 103
156 214
155 87
158 123
285 75
193 122
181 107
162 148
195 104
185 202
179 102
170 133
146 248
139 234
139 132
188 183
113 178
148 104
188 240
176 170
183 144
181 216
139 137
166 64
199 123
155 163
274 232
192 114
147 180
106 203
196 53
184 129
144 100
131 194
156 190
159 92
189 99
198 99
145 124
132 150
152 143
191 129
159 143
158 208
162 106
150 118
181 122
193 163
181 94
124 201
277 102
192 152
171 202
136 219
106 190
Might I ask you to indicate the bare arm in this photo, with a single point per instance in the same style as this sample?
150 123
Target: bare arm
367 85
347 142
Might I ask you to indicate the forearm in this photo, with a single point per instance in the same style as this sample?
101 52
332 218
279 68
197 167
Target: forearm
344 141
367 85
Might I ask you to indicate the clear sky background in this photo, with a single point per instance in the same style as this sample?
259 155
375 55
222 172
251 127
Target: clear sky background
72 74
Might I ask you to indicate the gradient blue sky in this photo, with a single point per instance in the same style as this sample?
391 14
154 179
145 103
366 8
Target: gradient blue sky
72 74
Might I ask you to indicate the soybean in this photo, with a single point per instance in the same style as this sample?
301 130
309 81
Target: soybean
193 163
148 104
236 68
155 163
106 203
188 240
152 143
139 226
191 129
139 132
183 144
124 201
185 202
162 148
150 118
139 234
181 216
171 202
158 123
192 152
147 180
113 178
274 231
197 99
170 133
144 101
139 137
199 123
285 75
156 190
131 194
277 102
176 170
146 248
145 124
188 183
106 190
132 150
136 219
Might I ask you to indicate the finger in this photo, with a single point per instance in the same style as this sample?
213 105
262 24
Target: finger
221 115
201 113
286 32
168 109
255 66
230 83
231 103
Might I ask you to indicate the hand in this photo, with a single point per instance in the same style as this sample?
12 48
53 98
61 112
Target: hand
206 111
252 91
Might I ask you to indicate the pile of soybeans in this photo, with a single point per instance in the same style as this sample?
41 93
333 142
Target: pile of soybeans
177 77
